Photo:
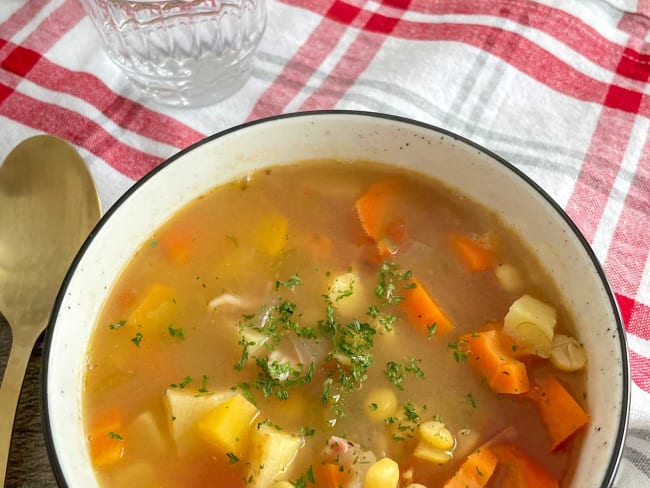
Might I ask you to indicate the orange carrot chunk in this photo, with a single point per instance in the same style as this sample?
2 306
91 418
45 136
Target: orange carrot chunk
561 414
476 256
372 205
422 311
520 470
488 354
105 440
331 475
476 471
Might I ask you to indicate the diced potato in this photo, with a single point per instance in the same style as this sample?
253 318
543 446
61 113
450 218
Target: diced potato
431 454
146 437
271 233
156 310
381 403
347 295
228 425
531 324
140 474
184 408
436 435
508 277
567 354
382 474
272 452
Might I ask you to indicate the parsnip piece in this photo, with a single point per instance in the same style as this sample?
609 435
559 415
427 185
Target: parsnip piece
431 454
185 408
567 354
272 452
531 323
436 435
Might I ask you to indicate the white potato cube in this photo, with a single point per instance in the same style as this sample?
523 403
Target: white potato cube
272 452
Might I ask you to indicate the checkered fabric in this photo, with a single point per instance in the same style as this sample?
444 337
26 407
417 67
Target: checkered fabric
557 87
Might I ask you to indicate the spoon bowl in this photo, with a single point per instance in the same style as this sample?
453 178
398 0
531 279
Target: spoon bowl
48 205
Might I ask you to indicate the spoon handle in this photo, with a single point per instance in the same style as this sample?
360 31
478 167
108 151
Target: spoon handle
12 383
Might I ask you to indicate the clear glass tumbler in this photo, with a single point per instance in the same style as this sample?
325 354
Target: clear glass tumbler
181 52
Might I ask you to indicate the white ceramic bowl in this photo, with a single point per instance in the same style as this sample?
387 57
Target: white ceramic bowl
458 162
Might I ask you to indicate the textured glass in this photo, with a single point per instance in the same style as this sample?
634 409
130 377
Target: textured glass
192 52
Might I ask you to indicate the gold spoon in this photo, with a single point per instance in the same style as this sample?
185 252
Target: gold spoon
48 205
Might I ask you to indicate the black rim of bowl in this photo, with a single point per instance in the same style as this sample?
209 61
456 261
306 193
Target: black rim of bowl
614 463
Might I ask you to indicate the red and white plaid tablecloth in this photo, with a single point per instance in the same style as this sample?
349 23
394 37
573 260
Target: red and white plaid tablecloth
558 87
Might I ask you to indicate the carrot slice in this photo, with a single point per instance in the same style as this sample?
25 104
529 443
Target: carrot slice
331 475
488 354
422 310
177 243
475 256
371 207
476 471
105 440
520 470
561 414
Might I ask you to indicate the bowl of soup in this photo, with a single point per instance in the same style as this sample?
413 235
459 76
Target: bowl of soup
335 299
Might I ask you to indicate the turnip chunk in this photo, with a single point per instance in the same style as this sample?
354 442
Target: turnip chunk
272 453
347 295
568 354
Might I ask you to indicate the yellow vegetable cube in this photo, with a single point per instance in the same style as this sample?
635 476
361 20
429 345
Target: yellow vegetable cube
436 435
271 234
228 425
156 310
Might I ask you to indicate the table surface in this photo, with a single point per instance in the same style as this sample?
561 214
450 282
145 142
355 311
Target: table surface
557 87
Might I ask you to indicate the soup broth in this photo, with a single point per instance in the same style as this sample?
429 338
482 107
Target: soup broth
333 324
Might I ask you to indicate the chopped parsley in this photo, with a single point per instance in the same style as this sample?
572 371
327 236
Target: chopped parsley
186 381
431 330
307 431
137 339
471 400
117 325
204 384
176 332
460 350
116 436
232 458
396 372
291 283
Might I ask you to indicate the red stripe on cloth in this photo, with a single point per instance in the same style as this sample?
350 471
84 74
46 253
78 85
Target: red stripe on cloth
124 112
355 61
630 245
342 12
559 24
626 306
20 61
623 99
302 65
69 125
640 368
5 91
634 65
55 26
21 17
639 322
605 154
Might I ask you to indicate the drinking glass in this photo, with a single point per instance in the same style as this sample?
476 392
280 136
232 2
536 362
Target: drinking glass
181 52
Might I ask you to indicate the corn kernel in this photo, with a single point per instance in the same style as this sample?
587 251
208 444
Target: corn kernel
436 435
383 474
